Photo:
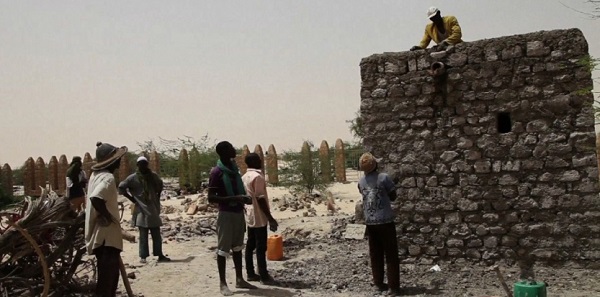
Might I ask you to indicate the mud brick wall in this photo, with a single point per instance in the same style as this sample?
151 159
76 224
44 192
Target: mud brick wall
495 158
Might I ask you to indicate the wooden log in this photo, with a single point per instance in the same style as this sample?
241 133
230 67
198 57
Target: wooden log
128 236
496 268
125 279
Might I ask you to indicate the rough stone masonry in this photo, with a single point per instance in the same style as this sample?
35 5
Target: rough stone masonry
495 157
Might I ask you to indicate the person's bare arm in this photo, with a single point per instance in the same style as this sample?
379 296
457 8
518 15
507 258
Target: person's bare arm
260 189
214 198
123 190
160 185
262 203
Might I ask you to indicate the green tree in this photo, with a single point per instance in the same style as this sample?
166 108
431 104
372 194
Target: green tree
301 171
17 176
356 126
352 152
6 199
169 150
594 12
592 64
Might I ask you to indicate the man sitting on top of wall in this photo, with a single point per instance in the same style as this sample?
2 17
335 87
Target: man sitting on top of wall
443 30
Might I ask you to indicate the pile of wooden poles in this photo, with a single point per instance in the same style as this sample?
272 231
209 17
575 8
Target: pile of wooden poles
42 249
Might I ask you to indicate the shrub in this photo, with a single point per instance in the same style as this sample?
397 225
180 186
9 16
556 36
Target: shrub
301 172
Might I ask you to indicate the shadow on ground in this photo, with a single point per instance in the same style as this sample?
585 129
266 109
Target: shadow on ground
267 292
411 291
295 284
184 260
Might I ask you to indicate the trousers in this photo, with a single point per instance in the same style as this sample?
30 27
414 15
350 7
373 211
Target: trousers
156 242
108 270
257 239
383 248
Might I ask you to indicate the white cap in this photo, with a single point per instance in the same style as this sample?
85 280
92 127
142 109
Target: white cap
142 158
432 11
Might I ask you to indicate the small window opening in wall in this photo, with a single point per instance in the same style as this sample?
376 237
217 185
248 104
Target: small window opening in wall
504 122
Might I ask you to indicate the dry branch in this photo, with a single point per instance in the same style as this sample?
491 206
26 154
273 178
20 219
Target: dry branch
44 231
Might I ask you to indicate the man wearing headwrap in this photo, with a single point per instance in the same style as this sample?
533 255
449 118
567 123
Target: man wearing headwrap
378 191
225 187
76 182
143 188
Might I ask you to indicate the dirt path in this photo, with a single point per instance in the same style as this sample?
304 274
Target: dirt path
321 263
193 272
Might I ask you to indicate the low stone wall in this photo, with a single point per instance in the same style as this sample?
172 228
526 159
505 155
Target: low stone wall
493 147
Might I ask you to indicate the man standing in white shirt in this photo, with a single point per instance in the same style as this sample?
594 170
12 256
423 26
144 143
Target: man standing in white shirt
258 215
102 226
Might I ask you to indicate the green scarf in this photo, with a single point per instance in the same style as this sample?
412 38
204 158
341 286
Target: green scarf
148 184
232 173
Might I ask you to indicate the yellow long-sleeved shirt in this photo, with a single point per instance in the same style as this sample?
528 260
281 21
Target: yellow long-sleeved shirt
453 32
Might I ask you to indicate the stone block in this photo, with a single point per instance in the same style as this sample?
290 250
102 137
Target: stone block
570 176
426 229
490 242
455 252
482 166
587 186
379 93
453 218
497 230
537 49
509 241
455 242
394 68
511 217
474 243
491 55
472 155
544 254
414 250
512 52
539 230
431 251
532 164
508 179
473 218
481 230
500 205
491 218
473 254
526 203
408 182
448 156
467 205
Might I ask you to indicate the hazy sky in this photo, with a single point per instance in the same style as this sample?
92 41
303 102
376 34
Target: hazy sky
249 71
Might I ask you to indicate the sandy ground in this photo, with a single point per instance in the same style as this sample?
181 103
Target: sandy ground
193 271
